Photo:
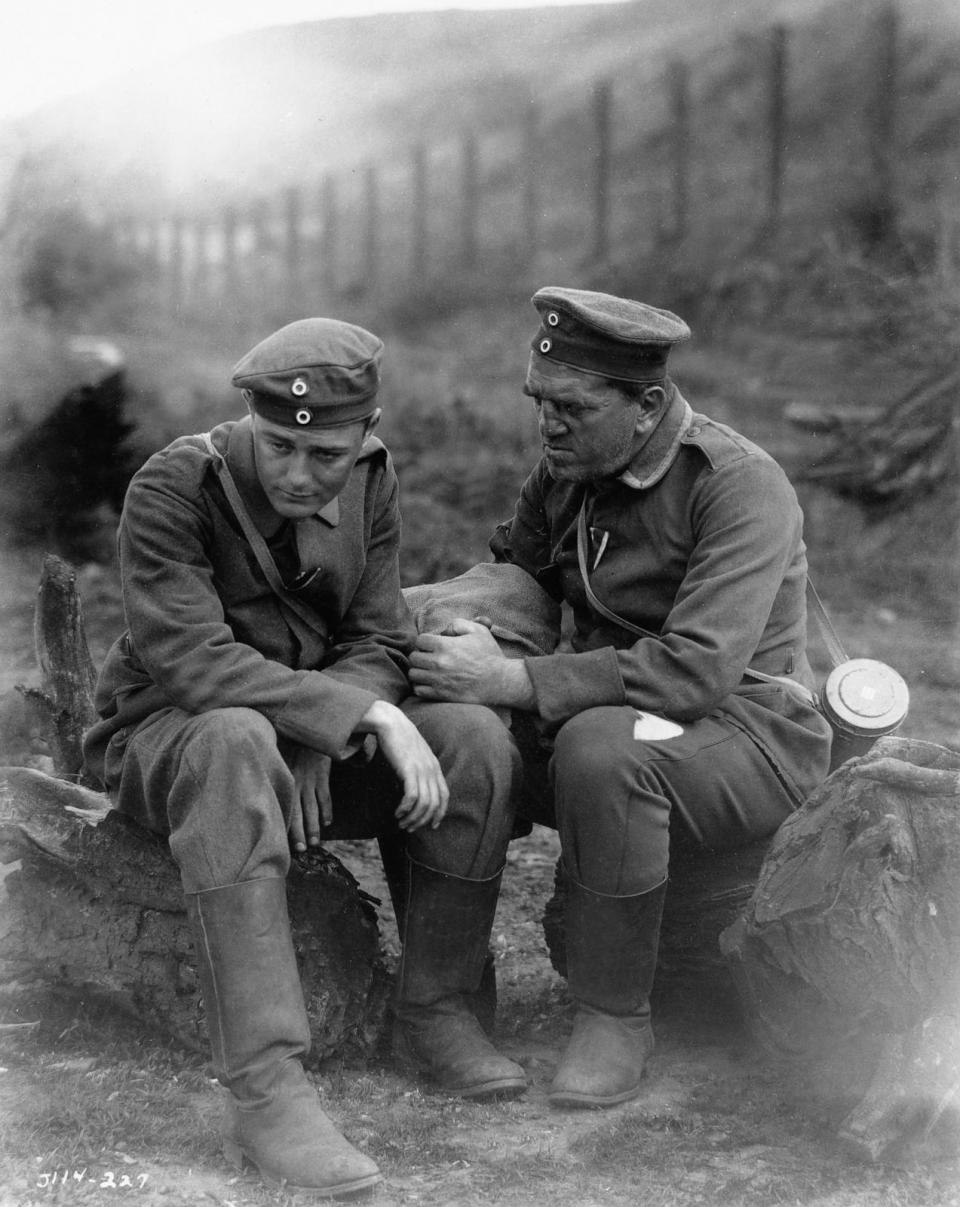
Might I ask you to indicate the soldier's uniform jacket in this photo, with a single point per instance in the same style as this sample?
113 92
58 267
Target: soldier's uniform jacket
701 544
204 628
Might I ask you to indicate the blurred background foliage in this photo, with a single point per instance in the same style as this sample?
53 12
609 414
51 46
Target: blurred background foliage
831 340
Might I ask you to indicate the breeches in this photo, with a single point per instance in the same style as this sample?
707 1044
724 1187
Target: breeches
217 785
618 798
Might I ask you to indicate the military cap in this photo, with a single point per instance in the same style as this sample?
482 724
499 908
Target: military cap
315 372
599 333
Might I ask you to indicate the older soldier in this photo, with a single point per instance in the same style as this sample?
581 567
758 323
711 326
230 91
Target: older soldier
265 658
681 707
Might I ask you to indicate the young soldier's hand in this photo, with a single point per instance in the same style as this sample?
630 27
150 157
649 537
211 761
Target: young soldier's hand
311 777
425 792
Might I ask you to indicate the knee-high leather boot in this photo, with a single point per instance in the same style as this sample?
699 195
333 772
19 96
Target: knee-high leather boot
446 933
259 1034
611 947
483 1003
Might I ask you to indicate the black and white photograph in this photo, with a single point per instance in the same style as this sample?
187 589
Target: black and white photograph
410 409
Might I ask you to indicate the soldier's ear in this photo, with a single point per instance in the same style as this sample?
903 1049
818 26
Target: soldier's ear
653 398
651 405
371 423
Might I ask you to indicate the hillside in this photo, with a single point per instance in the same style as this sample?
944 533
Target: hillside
280 106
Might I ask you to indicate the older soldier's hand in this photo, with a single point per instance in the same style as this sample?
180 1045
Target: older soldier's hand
311 776
425 791
465 665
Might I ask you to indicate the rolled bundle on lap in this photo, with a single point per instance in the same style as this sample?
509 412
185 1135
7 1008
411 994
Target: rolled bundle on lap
524 619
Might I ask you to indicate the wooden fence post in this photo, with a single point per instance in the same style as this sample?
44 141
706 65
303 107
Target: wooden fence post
371 228
200 274
418 241
531 200
678 84
262 242
778 126
469 202
176 263
330 234
293 249
602 107
882 123
230 280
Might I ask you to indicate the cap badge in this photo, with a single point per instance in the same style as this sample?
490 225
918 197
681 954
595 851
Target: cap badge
546 345
553 319
303 416
299 387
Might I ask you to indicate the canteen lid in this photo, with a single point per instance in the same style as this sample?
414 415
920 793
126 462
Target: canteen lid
866 697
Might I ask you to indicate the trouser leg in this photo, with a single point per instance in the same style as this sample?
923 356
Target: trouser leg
452 885
217 786
614 794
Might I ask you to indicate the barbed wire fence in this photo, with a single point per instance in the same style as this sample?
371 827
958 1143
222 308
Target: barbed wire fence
502 207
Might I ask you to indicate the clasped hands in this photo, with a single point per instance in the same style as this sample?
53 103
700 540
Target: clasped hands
464 664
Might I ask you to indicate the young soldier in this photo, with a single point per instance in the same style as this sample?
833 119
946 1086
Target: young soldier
265 655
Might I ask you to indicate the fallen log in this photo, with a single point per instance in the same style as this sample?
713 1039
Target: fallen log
96 907
851 941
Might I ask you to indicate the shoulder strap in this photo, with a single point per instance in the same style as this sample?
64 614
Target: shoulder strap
829 633
594 602
258 544
622 621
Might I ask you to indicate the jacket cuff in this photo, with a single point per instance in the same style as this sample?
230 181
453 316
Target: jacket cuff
565 684
323 714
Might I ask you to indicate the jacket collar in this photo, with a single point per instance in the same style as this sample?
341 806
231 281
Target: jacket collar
660 451
240 460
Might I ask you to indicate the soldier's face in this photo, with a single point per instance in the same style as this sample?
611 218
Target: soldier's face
301 471
588 429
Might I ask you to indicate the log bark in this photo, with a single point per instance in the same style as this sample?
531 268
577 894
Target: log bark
96 906
851 940
96 909
64 701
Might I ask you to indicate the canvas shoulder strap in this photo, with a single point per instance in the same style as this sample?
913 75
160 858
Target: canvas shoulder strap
258 544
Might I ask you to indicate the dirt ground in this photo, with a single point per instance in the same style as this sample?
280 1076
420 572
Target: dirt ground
718 1122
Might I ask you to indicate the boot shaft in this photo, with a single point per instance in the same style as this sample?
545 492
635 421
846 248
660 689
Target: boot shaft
250 983
611 948
446 935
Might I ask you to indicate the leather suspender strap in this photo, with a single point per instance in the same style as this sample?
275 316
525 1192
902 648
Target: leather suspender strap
830 639
623 623
259 545
594 602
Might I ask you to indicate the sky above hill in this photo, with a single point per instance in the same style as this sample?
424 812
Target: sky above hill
53 49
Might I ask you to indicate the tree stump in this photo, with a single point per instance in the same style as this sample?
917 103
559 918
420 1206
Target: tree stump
96 906
852 940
